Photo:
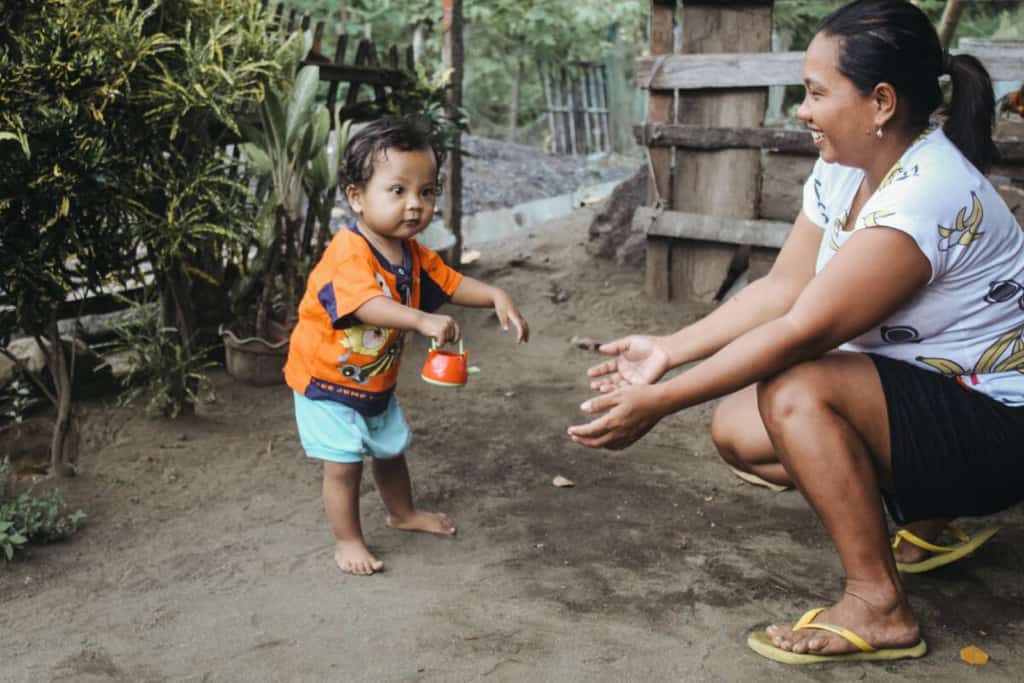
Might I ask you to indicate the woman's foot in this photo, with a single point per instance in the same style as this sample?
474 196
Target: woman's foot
352 557
928 530
431 522
888 626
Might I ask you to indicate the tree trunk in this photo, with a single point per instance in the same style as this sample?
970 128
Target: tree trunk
453 59
61 444
950 19
513 109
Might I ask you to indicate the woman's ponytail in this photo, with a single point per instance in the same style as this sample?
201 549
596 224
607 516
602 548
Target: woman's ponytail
971 111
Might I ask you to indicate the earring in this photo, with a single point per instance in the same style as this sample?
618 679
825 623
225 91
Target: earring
878 133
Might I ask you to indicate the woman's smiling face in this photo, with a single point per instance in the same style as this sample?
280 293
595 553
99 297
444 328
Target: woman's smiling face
841 119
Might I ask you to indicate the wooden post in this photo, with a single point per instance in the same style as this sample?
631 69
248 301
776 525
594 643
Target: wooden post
659 110
725 182
453 59
513 108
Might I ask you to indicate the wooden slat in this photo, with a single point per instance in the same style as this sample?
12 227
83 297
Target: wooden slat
375 76
707 137
745 70
705 228
1011 150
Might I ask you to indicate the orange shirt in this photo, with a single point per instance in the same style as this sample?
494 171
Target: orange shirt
334 356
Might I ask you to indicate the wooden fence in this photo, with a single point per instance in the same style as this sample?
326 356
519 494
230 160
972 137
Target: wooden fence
577 108
723 189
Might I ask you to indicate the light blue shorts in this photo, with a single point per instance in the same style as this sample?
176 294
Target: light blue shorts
331 431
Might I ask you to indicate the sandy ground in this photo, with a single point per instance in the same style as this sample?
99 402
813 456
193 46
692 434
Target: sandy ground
207 557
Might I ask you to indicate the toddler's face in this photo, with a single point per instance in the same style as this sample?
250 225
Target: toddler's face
398 201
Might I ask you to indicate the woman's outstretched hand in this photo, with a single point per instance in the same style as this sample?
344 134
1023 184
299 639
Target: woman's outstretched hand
629 413
638 360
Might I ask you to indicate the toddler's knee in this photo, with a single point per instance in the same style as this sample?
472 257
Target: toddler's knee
342 472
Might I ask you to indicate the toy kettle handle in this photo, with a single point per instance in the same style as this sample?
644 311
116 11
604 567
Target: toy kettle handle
433 344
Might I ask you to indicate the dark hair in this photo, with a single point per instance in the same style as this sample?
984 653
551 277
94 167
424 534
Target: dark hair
407 133
893 41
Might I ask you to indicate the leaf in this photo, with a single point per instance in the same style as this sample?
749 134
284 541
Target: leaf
561 482
993 352
301 100
257 158
974 655
943 365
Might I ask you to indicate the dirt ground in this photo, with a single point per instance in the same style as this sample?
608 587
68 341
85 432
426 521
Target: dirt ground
207 557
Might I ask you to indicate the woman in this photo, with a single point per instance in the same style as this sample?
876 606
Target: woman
905 259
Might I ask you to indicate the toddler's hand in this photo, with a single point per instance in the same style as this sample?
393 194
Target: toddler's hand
506 311
443 328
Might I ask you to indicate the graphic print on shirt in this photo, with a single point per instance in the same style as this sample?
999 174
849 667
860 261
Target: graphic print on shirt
875 218
837 226
369 340
965 227
1012 341
900 334
896 174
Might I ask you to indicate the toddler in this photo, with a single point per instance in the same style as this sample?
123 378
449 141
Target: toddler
373 283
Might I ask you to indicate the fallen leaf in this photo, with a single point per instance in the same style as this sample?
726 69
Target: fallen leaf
469 256
974 655
585 343
561 482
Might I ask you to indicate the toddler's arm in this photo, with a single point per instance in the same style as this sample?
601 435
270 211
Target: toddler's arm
383 311
472 292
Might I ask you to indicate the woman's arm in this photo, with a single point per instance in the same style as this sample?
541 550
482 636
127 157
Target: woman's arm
762 300
876 271
641 359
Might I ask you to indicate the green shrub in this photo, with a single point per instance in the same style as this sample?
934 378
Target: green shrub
169 375
26 518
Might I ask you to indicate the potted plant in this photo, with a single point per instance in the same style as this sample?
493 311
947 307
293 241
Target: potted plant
288 150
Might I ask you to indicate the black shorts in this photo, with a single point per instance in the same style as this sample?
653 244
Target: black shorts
955 452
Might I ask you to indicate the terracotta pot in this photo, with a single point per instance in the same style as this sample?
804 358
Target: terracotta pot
253 360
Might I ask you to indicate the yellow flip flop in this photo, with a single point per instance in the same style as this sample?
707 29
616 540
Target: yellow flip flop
944 554
752 478
761 643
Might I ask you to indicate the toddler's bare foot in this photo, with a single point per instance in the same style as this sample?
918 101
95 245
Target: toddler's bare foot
352 557
433 522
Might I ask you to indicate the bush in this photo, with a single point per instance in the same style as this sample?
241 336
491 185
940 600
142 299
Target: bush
27 518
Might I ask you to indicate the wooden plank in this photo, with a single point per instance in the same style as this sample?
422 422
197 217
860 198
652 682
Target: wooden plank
376 76
718 137
706 228
749 69
659 110
782 185
332 89
1011 149
723 182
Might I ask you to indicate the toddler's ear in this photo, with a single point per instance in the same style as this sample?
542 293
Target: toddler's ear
355 198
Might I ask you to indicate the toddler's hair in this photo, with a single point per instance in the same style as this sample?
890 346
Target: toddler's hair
407 133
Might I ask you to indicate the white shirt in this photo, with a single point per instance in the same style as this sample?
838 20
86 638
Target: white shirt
968 321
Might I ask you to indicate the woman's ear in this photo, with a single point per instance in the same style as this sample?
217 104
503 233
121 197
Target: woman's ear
355 198
884 100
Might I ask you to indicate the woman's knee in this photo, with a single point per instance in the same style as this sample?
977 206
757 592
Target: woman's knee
796 392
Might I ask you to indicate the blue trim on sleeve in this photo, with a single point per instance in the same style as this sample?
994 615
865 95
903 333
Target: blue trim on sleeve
326 298
432 297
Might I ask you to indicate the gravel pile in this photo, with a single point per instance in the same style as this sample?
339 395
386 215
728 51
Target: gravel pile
499 174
